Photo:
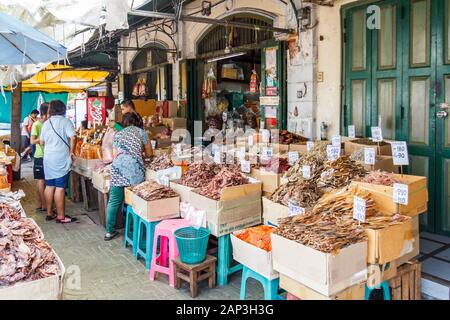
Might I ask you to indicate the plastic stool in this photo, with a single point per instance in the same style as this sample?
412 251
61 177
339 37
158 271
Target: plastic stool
131 230
270 286
145 244
168 249
386 292
224 258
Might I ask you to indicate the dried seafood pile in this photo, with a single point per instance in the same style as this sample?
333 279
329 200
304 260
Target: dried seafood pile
198 173
24 255
158 163
303 193
379 177
287 137
315 159
150 191
340 172
275 165
358 155
368 142
227 177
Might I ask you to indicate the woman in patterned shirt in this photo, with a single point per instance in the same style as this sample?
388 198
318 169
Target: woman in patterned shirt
127 167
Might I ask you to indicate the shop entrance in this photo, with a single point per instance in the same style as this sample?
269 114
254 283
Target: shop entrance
398 77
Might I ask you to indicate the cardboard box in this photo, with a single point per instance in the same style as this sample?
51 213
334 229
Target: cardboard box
390 243
101 181
383 195
378 273
257 259
270 181
384 163
239 207
273 211
414 243
300 148
350 147
325 273
86 167
156 210
356 292
183 191
175 123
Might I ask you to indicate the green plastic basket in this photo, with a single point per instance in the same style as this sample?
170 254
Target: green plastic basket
192 244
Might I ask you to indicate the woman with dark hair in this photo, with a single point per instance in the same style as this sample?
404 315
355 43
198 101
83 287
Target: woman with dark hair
58 138
127 168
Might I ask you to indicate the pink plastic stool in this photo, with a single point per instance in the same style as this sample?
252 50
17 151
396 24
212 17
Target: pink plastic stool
168 249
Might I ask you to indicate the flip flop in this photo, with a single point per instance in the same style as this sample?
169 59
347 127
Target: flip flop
52 217
110 236
67 219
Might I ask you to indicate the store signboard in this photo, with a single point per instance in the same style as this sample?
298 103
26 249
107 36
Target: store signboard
270 101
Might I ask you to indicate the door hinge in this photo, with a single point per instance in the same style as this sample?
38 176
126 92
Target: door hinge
402 13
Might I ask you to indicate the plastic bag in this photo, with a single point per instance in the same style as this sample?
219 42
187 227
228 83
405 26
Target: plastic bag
107 145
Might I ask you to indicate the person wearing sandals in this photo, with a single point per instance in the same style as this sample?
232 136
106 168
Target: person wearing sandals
38 167
127 168
58 137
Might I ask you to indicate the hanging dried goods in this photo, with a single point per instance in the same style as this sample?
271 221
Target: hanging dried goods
340 172
379 177
227 177
258 236
150 191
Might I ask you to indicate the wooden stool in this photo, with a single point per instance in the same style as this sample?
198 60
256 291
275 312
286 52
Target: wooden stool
194 273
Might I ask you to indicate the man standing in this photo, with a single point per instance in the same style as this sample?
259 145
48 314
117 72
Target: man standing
38 168
26 129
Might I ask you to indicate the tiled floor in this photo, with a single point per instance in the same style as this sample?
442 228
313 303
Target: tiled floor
106 269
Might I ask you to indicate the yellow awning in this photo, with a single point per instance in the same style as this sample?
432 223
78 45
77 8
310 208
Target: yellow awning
63 79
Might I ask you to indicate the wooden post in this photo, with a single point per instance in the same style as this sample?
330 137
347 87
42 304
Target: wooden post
16 119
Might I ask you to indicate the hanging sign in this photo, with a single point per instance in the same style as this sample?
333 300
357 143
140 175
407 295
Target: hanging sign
269 101
369 156
359 209
400 153
400 195
377 134
351 132
293 157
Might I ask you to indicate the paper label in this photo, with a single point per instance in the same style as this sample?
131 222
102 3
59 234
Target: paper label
336 141
400 153
267 152
245 166
164 180
369 156
309 146
377 134
351 132
333 152
293 157
306 172
359 209
401 193
265 136
295 210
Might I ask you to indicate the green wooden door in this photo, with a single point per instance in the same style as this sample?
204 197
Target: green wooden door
397 77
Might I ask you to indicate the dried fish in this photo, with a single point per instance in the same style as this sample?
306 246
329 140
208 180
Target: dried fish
150 191
302 193
158 163
287 137
358 155
198 173
379 177
369 142
275 165
315 159
227 177
340 172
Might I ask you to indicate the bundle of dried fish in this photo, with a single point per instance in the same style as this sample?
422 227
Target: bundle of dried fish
340 172
314 158
198 173
287 137
379 177
158 163
227 177
303 193
24 255
368 142
150 191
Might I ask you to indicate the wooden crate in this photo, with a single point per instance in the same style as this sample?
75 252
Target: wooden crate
406 285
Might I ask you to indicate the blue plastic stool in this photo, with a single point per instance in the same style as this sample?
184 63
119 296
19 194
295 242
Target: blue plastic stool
386 292
145 244
271 287
224 258
131 230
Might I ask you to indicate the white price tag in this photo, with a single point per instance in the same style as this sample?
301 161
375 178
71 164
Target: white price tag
265 136
359 209
336 141
153 144
369 156
351 132
267 152
333 152
218 158
164 180
245 166
377 134
306 170
293 157
309 146
401 193
400 153
250 140
294 210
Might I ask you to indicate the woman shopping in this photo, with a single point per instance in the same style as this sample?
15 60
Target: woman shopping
127 167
